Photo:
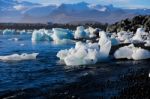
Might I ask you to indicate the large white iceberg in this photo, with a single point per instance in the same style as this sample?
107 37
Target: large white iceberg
17 57
87 53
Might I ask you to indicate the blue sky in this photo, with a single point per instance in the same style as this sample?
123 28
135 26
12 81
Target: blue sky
117 3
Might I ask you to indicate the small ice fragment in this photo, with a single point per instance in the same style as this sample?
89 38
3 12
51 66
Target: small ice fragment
17 57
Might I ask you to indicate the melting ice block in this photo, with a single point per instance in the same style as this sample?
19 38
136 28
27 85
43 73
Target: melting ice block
124 52
139 54
131 52
17 57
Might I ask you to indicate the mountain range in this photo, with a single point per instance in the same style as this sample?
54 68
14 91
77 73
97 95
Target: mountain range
28 12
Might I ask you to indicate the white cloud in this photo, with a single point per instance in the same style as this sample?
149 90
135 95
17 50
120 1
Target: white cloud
20 7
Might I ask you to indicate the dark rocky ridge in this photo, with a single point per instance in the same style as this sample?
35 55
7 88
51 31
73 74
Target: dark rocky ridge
126 25
131 24
20 26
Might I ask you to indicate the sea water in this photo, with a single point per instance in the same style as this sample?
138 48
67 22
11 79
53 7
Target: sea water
46 72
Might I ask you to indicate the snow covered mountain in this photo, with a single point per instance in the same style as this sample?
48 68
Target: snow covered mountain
11 10
14 11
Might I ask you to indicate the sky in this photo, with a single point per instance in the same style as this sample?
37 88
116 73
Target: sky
117 3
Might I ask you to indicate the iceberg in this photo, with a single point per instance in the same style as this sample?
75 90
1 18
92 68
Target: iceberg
124 36
131 52
8 32
92 32
41 35
138 36
62 36
82 54
23 32
124 52
14 39
80 33
86 53
114 41
105 45
139 54
81 57
17 57
147 42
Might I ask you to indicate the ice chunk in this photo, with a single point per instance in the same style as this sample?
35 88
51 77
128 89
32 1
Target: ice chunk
124 52
105 45
8 32
114 41
81 57
62 54
59 33
87 53
139 54
92 32
80 33
138 36
62 36
147 42
123 35
23 32
14 39
41 35
37 36
131 52
17 57
82 54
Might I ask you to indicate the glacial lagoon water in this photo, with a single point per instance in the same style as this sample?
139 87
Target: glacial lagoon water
47 73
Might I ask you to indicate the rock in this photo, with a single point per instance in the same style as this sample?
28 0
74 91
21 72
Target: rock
131 24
